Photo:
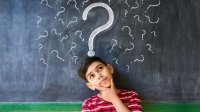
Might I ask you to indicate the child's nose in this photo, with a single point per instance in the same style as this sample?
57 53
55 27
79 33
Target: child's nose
100 76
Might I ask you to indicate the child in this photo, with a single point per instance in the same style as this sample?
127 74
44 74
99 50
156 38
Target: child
99 75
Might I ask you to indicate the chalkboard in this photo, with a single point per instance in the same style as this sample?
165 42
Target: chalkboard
154 46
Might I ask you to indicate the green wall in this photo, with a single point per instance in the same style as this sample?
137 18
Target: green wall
75 107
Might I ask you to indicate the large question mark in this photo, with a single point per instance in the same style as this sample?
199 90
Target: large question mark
99 29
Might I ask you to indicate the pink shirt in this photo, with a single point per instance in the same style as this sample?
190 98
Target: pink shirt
97 104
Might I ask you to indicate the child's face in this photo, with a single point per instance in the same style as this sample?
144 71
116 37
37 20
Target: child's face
99 75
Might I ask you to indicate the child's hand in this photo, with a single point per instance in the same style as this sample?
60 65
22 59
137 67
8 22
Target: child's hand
109 94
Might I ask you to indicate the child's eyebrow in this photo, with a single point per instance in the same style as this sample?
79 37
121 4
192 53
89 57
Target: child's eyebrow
95 68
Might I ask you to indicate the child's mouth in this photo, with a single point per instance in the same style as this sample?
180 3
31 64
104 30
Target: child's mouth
105 83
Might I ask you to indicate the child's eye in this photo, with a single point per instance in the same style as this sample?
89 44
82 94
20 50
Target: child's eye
100 68
91 76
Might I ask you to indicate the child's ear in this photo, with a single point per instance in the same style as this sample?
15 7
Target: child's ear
90 86
110 68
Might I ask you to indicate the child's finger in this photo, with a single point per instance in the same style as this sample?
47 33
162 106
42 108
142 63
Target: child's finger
100 88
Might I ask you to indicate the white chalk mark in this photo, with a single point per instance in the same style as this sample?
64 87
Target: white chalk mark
72 21
42 36
40 47
138 18
47 4
128 49
135 6
129 29
152 21
75 59
154 5
114 43
57 54
149 45
126 12
72 45
85 2
62 22
154 33
63 10
116 60
99 29
144 32
75 4
126 2
140 60
80 35
65 37
109 2
55 31
142 1
38 22
43 61
127 68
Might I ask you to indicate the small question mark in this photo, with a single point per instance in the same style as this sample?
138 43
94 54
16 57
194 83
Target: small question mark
55 31
140 60
144 32
99 29
43 61
62 22
63 10
40 47
135 6
65 37
126 2
154 33
40 19
126 12
153 5
130 48
75 4
129 29
138 18
80 35
152 22
116 60
128 67
75 58
84 2
57 54
72 21
42 36
47 4
149 45
73 45
114 43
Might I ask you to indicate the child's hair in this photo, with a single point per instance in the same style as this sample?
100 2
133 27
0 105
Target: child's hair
84 66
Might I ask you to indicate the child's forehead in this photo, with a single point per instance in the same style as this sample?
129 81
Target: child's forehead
93 66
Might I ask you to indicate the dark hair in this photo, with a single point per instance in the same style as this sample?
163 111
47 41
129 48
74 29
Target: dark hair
85 64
